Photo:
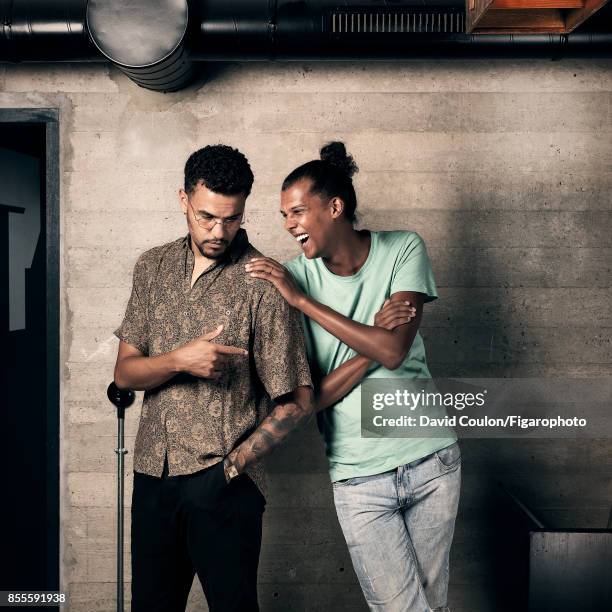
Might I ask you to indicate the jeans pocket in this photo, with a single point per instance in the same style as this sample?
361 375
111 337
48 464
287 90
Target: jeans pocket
448 458
336 484
356 480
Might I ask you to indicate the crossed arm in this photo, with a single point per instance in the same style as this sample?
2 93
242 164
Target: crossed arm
393 319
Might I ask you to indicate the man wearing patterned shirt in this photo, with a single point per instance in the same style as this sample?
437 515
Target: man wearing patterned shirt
211 346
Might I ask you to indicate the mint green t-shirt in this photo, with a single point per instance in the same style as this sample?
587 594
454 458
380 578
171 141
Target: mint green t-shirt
397 261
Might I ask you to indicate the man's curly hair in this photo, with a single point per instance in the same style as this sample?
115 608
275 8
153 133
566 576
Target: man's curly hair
222 169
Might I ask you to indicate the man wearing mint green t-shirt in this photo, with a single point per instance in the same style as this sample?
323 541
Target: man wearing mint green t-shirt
362 295
397 261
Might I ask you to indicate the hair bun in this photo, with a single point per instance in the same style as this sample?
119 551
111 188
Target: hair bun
334 153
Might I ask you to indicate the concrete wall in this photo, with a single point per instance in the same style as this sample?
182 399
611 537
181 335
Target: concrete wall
505 170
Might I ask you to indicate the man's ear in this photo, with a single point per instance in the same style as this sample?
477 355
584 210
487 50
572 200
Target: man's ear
336 205
183 199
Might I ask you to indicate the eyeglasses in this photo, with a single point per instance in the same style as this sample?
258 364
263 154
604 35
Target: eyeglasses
208 222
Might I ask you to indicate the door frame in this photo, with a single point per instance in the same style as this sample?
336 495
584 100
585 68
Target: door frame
49 117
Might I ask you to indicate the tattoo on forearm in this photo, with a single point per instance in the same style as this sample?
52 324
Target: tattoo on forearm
272 432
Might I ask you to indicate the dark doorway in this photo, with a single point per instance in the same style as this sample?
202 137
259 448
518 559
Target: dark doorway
29 336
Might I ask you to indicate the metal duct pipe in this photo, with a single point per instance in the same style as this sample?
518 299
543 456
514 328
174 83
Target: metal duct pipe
155 42
44 30
144 39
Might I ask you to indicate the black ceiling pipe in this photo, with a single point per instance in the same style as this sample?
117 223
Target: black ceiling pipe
329 30
156 42
45 30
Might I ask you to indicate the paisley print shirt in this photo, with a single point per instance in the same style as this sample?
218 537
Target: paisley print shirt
197 421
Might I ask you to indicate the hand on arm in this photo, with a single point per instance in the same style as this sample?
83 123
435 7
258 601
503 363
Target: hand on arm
200 357
274 272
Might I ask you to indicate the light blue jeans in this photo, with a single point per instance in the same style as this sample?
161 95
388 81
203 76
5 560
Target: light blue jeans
399 527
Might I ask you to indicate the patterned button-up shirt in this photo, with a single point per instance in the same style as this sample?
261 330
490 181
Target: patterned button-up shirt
197 421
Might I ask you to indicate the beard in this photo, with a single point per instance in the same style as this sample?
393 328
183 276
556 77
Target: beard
212 253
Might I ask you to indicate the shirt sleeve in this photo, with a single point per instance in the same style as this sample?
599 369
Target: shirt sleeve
278 346
135 327
412 271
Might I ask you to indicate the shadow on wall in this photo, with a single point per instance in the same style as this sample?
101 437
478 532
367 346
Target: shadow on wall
503 315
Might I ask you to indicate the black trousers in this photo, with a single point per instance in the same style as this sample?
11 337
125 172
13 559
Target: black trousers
183 525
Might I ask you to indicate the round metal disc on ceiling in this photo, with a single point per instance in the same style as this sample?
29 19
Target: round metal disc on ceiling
137 33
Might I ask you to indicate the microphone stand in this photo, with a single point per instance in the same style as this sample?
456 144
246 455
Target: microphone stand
122 399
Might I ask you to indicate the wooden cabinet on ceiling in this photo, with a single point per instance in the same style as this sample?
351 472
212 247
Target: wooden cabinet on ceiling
528 16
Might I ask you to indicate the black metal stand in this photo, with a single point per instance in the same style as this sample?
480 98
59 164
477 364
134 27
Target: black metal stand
122 399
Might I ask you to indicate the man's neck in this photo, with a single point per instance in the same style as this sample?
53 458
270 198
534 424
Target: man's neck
350 255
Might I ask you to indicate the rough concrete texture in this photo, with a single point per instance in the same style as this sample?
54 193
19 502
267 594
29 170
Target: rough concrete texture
505 169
